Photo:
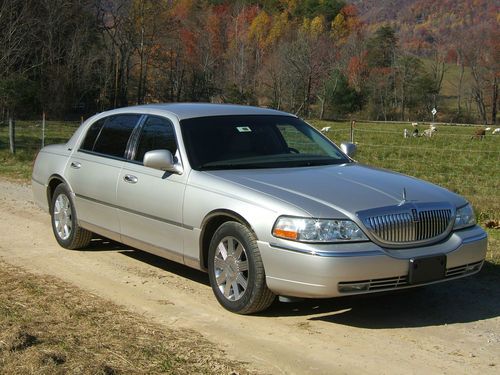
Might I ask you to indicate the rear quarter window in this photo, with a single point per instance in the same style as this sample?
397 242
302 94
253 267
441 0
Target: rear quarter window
110 136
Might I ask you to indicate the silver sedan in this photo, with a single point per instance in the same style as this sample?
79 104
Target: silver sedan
257 198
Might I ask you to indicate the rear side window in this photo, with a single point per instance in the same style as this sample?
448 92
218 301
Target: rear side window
111 136
92 133
157 134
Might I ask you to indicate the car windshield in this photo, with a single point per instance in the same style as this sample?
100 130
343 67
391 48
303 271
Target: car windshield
264 141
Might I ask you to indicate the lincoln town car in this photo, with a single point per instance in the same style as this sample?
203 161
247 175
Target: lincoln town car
257 198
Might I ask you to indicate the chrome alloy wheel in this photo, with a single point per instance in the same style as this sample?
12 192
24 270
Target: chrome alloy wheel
63 217
231 268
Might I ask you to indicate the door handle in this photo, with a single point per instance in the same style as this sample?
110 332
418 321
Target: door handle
130 179
76 165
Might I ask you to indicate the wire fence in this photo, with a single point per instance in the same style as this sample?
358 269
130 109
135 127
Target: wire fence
30 136
453 157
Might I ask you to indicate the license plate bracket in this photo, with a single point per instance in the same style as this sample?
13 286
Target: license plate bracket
427 269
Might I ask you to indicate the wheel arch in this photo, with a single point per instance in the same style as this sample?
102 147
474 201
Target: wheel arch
210 224
54 181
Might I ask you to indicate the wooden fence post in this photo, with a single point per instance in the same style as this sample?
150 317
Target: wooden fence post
353 124
12 135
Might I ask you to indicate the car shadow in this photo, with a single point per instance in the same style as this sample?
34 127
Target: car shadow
464 300
460 301
99 244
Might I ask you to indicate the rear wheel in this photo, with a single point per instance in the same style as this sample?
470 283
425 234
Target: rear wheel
64 224
236 271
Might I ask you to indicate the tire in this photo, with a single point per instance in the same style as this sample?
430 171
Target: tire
236 271
64 222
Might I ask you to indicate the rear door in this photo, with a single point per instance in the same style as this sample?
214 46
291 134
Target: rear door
94 169
151 200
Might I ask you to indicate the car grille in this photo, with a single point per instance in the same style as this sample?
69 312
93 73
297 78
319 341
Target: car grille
463 270
397 282
378 284
409 225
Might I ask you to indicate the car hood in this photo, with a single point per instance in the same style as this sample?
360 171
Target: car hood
346 188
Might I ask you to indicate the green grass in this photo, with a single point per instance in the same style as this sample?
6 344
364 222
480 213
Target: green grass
28 143
450 158
493 254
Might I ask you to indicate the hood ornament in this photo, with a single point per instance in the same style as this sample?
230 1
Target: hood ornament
404 198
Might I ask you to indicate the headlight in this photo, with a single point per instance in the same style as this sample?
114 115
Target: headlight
464 217
317 230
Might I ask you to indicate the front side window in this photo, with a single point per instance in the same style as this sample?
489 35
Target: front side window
264 141
157 134
110 136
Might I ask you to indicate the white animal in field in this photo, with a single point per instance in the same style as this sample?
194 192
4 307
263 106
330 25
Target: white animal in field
406 133
414 124
488 129
429 132
326 129
496 131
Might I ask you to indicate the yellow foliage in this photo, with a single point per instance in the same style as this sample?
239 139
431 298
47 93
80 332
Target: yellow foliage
279 27
259 28
306 26
314 27
339 27
290 5
317 26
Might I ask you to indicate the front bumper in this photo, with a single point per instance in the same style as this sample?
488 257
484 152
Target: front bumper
323 271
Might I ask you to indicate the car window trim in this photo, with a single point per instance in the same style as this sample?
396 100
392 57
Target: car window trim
133 140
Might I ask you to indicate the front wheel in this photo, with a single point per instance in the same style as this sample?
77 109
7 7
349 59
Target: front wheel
236 271
64 224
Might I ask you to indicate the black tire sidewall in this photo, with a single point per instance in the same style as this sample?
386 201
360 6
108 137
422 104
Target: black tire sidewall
63 189
235 230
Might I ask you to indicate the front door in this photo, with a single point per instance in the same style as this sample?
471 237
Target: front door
151 200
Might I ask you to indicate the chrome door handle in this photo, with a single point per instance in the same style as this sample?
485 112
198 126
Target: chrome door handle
130 179
76 165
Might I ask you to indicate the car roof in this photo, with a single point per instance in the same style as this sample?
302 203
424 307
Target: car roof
191 110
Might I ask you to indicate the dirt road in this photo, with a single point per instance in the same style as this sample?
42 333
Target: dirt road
453 328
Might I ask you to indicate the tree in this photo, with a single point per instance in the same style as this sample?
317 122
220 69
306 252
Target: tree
15 48
342 98
382 48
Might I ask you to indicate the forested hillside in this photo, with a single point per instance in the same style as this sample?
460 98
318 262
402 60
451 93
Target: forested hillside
334 59
421 23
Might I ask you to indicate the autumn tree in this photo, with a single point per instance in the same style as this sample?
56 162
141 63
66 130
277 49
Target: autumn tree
381 58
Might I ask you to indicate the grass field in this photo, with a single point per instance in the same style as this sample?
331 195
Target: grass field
450 158
28 142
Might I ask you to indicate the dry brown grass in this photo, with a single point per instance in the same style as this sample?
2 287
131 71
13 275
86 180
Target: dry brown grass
49 327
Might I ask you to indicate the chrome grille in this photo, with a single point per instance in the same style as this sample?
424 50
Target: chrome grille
408 225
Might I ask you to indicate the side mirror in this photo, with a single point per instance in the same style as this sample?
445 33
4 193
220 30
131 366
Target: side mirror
162 160
348 148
